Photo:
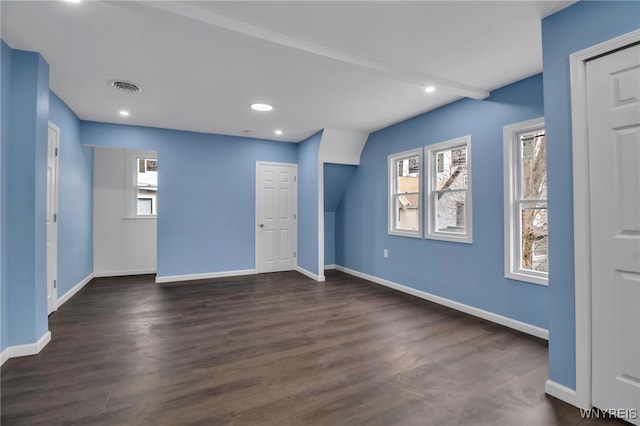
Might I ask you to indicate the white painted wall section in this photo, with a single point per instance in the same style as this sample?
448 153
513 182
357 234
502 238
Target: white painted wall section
122 245
341 146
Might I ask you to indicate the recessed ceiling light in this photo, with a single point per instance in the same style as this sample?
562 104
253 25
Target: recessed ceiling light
124 113
429 89
73 1
278 132
261 107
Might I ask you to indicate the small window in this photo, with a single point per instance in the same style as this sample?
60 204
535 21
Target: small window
405 196
146 186
526 212
448 201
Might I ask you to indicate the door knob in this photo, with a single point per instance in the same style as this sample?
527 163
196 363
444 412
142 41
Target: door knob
262 225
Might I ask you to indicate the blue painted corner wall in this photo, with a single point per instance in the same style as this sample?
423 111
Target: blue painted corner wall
205 193
577 27
6 56
75 199
336 180
308 203
472 274
24 170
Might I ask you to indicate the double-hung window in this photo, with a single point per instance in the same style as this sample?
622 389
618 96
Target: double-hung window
525 198
448 200
405 197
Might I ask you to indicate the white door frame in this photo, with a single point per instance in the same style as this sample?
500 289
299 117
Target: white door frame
257 212
581 213
52 272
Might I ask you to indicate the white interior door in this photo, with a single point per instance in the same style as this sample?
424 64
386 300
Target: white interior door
613 107
276 210
52 217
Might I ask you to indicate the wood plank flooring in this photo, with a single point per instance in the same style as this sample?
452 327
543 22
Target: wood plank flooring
275 349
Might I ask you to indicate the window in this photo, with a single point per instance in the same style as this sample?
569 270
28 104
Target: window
141 184
448 201
146 186
525 201
405 196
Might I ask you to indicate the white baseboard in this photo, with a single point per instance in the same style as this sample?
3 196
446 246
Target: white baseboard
561 392
27 349
191 277
123 273
328 267
76 288
4 355
310 274
481 313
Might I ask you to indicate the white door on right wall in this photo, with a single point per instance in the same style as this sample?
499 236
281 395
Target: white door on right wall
613 105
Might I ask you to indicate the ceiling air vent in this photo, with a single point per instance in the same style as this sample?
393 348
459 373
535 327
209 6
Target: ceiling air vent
126 86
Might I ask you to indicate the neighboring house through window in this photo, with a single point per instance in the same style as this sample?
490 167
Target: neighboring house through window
525 197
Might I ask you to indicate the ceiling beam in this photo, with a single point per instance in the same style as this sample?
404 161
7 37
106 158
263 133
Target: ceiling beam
388 70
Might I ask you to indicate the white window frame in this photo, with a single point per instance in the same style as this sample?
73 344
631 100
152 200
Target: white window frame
392 159
512 164
431 181
130 182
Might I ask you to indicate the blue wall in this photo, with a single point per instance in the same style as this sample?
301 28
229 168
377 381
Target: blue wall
5 78
336 180
26 190
579 26
308 203
75 199
469 273
205 193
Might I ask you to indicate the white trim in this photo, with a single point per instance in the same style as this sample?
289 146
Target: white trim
330 266
510 159
52 264
561 392
123 273
256 212
208 275
76 288
391 193
480 313
26 349
310 274
581 212
430 231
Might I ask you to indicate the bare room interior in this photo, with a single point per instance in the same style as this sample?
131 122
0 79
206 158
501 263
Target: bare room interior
320 212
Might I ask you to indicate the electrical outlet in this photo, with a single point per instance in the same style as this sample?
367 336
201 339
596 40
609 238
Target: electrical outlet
385 253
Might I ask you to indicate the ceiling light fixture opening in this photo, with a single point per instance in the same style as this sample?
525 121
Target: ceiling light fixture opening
73 1
261 107
126 86
278 132
124 113
429 89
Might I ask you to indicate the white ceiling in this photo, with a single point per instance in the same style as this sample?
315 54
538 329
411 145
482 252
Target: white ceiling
357 66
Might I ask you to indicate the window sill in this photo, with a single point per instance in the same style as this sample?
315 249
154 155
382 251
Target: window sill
464 239
134 218
533 279
409 234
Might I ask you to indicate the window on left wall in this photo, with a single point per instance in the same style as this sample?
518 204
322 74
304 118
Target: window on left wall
146 190
405 193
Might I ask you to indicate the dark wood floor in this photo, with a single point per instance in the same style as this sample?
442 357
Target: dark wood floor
275 349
